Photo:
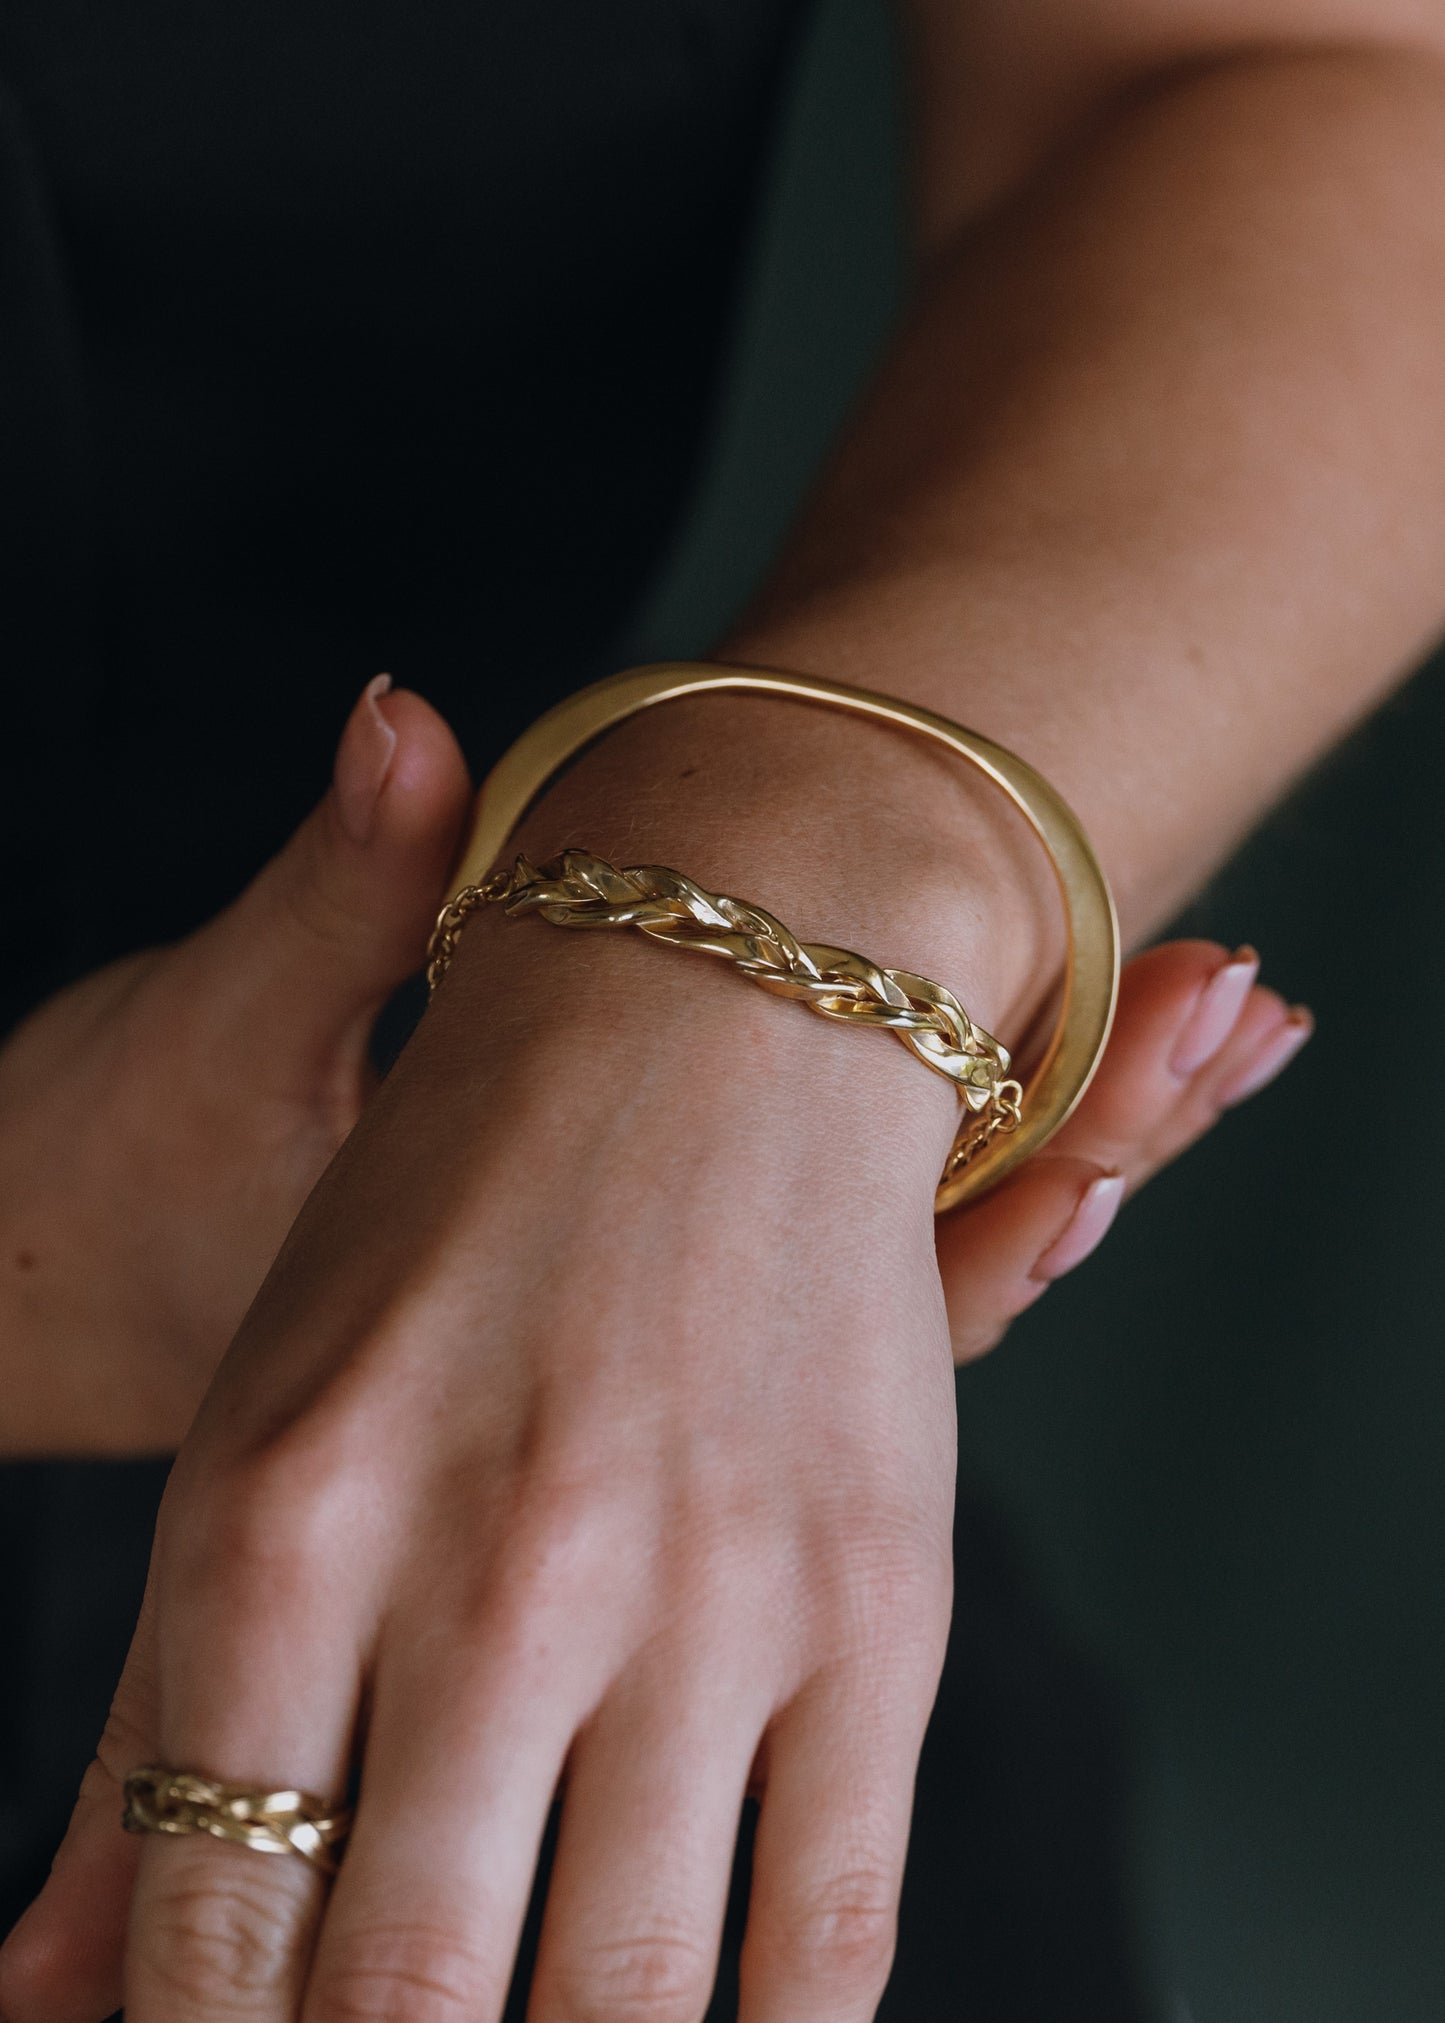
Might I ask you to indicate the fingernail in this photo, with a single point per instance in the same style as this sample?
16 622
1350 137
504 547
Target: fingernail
1085 1229
1273 1057
1215 1012
363 760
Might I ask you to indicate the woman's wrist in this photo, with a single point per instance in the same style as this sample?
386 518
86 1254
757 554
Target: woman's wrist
847 831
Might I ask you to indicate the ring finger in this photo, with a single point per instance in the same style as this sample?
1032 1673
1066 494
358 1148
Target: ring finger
262 1698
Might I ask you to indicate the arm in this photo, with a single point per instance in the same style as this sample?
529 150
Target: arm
1152 485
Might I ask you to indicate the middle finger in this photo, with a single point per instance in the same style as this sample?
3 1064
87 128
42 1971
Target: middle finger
470 1727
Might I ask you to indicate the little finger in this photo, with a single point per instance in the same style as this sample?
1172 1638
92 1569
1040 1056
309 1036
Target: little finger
828 1859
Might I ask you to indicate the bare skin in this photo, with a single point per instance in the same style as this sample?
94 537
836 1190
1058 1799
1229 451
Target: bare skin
597 1410
204 1088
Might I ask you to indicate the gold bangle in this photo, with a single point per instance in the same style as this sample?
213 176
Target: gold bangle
1091 964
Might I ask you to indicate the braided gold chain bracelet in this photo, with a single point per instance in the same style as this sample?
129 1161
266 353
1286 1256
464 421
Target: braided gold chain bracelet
1002 1123
578 889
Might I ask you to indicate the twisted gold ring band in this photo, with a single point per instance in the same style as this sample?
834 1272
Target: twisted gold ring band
1091 967
158 1800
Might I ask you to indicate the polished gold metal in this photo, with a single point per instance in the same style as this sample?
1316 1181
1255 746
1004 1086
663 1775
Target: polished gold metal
578 889
158 1800
987 1149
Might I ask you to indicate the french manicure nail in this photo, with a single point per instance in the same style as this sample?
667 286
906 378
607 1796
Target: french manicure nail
1085 1229
363 760
1215 1012
1273 1057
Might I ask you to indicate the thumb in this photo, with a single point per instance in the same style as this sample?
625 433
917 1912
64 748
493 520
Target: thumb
316 944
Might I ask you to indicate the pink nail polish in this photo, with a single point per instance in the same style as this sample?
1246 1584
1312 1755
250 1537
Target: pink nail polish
1215 1013
1085 1230
363 760
1273 1057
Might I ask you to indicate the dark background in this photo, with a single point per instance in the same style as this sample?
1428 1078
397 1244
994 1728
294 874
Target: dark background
1220 1446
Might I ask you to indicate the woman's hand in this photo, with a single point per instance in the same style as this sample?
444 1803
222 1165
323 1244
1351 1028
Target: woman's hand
162 1121
596 1419
1195 1034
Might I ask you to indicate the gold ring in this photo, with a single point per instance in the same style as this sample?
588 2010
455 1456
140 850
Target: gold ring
158 1800
1091 966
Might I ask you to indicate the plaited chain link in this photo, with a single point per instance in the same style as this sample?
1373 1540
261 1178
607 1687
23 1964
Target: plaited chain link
578 889
158 1800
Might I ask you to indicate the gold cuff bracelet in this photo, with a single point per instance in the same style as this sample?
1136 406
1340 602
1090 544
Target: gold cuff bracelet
1002 1125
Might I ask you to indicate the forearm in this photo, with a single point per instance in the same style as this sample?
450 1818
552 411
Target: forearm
1152 486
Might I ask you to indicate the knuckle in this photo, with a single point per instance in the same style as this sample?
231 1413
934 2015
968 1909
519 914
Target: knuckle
891 1587
557 1522
405 1973
263 1523
226 1940
311 901
843 1936
709 1575
651 1977
557 1536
